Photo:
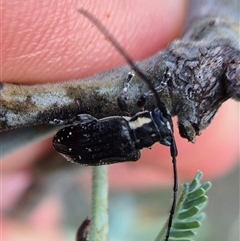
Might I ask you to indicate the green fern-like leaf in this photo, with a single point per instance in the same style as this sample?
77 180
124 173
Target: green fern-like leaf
188 214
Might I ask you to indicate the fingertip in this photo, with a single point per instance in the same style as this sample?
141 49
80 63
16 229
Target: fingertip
59 44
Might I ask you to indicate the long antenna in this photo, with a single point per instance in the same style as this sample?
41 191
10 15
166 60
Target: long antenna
160 104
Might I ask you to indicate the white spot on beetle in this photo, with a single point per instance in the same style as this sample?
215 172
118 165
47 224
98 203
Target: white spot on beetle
139 122
127 118
169 126
70 133
70 149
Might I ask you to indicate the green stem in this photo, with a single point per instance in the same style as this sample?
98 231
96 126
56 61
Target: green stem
99 219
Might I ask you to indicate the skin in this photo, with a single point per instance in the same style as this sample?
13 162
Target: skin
48 42
66 46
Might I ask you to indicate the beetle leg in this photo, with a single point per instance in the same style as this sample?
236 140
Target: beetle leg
163 83
59 122
80 118
122 96
83 118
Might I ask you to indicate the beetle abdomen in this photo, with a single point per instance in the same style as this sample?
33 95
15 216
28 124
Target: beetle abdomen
100 142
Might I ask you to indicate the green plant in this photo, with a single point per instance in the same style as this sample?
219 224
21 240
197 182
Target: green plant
188 214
